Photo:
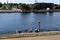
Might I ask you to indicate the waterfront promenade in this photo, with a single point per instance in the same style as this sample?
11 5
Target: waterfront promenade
55 37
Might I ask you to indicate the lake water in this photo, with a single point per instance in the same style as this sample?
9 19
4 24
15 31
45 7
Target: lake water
9 22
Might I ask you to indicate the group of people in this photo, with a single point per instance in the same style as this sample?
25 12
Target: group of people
28 31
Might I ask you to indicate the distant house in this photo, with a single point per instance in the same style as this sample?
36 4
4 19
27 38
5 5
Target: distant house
45 5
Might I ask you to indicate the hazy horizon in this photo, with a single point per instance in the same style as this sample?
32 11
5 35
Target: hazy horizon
30 1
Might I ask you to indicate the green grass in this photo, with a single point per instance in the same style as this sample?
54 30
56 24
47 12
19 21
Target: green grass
28 35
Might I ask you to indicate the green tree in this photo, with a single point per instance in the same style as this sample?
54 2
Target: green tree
34 6
5 7
57 6
1 4
24 6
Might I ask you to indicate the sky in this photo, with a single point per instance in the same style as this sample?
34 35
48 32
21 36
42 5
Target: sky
30 1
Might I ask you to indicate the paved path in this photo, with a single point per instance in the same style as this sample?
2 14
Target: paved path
55 37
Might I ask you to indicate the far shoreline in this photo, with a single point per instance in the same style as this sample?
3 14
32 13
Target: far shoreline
34 11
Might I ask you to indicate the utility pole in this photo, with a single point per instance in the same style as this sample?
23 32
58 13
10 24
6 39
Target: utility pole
30 7
7 1
35 1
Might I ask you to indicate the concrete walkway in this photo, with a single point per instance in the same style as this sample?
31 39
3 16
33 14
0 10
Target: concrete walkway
55 37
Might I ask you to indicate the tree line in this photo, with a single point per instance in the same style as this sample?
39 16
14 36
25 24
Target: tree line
23 6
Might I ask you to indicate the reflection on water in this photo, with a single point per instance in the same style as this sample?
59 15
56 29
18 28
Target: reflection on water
9 22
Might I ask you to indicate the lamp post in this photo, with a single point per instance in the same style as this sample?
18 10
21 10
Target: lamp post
38 29
39 26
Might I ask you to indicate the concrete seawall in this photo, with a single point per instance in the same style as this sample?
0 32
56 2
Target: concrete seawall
43 11
56 10
9 11
26 11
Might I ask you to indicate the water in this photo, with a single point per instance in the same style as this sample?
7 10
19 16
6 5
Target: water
9 22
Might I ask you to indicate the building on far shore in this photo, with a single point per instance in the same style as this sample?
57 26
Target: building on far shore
44 6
